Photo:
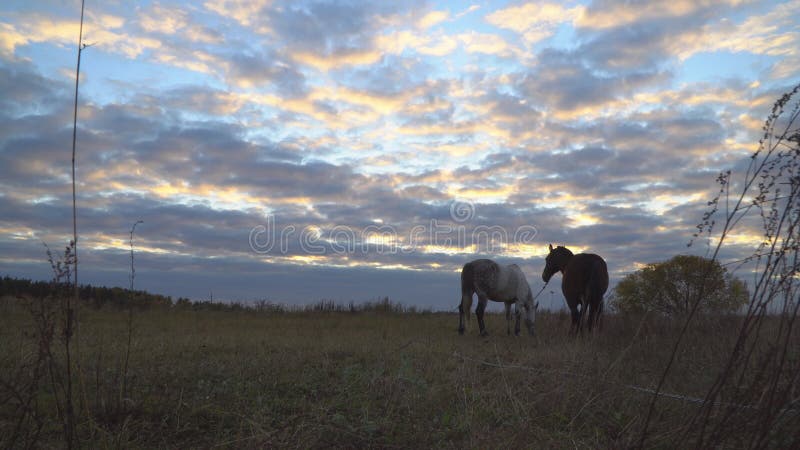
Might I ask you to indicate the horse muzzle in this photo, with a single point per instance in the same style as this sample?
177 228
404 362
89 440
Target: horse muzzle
546 275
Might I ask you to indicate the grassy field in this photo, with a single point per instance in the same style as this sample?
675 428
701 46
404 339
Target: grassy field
203 379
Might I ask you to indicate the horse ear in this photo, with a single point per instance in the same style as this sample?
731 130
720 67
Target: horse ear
551 247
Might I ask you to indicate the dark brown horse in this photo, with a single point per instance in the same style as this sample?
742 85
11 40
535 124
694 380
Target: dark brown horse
584 281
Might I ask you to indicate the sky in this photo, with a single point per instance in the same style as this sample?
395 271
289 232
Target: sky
303 150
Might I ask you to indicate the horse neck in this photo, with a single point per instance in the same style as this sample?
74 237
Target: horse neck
567 258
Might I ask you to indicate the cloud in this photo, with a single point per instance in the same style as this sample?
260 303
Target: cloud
396 43
104 31
205 122
470 9
489 44
256 68
337 59
330 35
534 21
620 36
10 38
25 92
245 12
604 14
164 20
569 86
767 34
433 18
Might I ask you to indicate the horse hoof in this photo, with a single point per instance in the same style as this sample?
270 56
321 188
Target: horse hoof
484 333
461 331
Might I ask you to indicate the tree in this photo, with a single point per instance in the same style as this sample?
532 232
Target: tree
672 286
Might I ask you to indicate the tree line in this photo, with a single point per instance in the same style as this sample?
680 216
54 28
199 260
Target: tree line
98 296
101 296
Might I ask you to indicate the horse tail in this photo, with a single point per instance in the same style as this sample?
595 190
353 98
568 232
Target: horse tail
595 289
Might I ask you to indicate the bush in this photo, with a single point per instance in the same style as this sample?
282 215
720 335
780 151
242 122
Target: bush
671 287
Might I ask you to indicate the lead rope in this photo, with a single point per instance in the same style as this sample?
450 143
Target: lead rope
540 292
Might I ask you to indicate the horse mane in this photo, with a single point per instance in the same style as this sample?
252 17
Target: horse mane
565 249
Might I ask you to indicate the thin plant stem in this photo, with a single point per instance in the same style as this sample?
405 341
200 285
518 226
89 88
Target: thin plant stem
70 426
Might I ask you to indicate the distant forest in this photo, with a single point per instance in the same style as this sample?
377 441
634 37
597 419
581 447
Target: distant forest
94 295
101 296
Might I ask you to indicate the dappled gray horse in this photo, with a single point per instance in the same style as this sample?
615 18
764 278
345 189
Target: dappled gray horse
499 283
584 281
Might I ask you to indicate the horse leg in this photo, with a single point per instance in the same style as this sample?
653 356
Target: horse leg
593 314
482 300
518 314
461 326
530 316
463 312
598 314
508 318
576 320
586 313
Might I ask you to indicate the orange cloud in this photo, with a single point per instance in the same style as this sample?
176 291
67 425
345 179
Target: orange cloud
432 18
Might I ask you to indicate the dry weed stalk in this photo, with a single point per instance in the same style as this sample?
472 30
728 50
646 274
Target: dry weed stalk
123 394
760 380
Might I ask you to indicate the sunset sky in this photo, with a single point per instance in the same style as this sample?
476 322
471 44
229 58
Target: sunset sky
301 150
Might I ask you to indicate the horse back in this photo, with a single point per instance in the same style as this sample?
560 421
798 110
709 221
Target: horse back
496 282
511 285
480 274
582 270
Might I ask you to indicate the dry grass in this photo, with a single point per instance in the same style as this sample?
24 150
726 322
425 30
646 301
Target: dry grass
312 379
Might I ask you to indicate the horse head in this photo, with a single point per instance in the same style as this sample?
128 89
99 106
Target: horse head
555 262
